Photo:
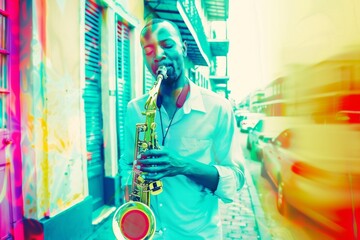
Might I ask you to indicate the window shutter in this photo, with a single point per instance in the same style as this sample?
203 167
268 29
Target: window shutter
123 79
149 80
92 91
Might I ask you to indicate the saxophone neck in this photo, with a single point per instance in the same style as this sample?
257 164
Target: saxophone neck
153 95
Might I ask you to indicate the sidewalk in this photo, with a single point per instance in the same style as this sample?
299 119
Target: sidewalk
243 219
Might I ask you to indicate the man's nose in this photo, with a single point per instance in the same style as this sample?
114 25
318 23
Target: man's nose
160 54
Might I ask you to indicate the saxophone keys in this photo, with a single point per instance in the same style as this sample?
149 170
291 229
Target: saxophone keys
144 145
155 187
140 179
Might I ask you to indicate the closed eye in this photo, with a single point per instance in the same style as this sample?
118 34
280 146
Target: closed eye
168 43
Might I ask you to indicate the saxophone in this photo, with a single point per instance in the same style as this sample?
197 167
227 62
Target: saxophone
134 219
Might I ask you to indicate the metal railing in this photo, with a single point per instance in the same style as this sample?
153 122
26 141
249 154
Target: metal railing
194 17
191 18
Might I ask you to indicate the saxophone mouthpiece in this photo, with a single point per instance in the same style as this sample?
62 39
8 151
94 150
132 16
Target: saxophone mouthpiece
161 72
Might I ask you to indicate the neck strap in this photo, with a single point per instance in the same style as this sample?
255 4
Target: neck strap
180 101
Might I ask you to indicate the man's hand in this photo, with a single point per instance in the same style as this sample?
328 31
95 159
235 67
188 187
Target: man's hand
157 164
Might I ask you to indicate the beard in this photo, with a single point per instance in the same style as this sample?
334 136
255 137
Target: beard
172 77
173 71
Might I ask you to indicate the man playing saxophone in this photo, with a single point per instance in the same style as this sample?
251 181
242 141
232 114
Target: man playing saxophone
200 159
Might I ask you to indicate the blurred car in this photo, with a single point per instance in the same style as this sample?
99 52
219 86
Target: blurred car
264 130
249 120
239 115
347 117
316 169
256 139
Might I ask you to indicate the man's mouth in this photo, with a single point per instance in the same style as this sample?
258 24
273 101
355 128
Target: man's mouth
169 68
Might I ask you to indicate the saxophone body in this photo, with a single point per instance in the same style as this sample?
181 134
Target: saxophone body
134 219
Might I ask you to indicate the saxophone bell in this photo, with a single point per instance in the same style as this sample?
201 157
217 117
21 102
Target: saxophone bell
134 220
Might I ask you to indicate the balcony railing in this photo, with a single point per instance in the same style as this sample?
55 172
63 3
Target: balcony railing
186 16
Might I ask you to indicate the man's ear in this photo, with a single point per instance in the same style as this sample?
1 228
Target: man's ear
184 48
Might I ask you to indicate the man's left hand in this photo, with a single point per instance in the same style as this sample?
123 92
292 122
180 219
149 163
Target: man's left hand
159 163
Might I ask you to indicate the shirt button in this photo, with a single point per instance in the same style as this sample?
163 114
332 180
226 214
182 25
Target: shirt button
160 232
160 204
164 229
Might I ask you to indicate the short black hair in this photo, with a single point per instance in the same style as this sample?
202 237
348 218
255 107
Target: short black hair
154 21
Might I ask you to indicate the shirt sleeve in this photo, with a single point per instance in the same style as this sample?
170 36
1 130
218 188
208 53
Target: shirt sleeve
229 156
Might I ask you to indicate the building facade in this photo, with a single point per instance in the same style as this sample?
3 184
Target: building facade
326 92
68 70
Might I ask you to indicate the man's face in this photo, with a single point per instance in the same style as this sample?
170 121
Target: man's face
162 45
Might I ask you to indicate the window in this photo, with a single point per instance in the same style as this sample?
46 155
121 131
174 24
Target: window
4 58
259 126
283 139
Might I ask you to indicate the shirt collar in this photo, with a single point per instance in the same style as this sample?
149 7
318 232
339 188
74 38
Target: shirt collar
195 99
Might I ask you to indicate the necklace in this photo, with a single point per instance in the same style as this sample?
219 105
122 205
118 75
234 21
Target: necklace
179 104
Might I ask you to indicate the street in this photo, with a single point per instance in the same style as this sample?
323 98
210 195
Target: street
296 226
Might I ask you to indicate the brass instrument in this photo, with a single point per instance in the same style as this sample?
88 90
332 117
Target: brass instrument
135 219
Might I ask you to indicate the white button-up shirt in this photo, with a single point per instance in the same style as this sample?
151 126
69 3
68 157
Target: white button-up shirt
204 130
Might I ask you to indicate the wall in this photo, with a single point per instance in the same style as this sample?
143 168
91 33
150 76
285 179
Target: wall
52 142
52 108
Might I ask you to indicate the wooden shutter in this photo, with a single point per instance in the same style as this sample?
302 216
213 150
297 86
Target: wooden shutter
123 79
93 105
148 80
